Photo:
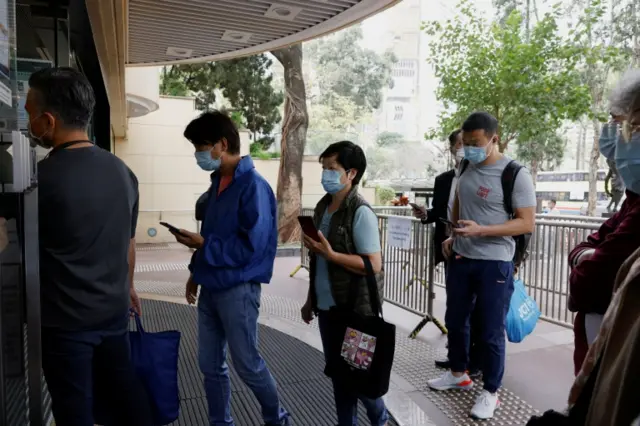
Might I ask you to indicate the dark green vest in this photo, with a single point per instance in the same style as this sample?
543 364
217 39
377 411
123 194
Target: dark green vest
341 239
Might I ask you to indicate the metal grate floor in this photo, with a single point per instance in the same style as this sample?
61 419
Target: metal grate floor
304 390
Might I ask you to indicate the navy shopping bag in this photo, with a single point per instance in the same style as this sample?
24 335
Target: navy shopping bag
155 358
523 314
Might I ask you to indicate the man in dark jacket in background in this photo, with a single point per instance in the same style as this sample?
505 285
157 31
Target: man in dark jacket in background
444 191
236 249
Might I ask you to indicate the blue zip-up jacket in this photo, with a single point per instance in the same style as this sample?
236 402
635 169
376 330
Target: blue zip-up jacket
240 232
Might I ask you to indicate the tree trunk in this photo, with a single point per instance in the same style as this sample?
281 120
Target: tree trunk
294 137
580 148
535 167
593 168
635 12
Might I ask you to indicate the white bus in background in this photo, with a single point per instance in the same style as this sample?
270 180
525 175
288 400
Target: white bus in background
570 190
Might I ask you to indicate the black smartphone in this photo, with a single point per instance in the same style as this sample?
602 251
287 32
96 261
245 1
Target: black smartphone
308 227
448 222
415 206
171 228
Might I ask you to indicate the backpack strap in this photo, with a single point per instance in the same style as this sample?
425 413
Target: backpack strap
463 166
509 175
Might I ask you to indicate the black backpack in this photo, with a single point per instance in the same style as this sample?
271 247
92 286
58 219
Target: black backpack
508 181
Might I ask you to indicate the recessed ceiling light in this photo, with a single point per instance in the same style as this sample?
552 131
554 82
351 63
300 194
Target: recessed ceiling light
180 52
283 12
236 36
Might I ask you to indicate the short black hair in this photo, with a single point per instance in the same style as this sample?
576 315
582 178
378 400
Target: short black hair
349 155
453 137
66 94
210 127
481 121
553 201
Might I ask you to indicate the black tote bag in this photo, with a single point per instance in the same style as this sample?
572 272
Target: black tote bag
360 355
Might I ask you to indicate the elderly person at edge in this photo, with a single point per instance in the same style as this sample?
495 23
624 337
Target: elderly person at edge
596 262
605 390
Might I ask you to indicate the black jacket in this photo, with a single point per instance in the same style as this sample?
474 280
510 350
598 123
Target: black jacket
441 191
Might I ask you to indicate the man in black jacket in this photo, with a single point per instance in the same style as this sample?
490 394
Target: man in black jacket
444 190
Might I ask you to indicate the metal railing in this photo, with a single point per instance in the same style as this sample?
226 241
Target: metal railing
408 211
411 276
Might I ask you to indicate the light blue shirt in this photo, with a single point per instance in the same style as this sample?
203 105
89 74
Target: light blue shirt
366 238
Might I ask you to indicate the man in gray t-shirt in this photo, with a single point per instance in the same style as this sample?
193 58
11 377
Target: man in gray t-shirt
482 201
480 259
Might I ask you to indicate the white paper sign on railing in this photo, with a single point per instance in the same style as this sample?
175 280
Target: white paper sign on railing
399 231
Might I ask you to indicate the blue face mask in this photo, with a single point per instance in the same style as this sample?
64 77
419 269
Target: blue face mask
628 162
206 162
476 154
608 138
331 181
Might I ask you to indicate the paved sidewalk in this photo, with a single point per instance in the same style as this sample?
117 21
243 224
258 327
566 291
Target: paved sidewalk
539 370
303 388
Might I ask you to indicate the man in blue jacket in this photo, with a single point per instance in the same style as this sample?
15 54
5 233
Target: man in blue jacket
236 249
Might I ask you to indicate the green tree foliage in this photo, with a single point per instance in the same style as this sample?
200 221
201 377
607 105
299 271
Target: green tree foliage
625 22
171 84
244 82
528 8
331 123
530 84
380 163
403 160
384 195
346 84
544 152
389 139
597 47
346 69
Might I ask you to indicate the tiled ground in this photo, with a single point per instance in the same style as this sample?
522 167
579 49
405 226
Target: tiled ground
539 370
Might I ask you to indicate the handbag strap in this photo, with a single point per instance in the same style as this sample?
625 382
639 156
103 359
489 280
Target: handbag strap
372 286
138 321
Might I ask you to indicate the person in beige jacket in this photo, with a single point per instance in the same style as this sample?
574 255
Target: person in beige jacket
4 238
605 392
613 361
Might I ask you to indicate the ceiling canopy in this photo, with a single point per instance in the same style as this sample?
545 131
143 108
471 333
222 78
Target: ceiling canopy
182 31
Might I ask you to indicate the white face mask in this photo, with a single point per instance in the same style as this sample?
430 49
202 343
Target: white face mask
460 154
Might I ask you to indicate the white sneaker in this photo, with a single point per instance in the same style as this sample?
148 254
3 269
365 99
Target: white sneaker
486 404
449 381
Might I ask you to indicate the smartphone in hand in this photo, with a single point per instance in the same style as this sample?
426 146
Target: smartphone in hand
308 227
448 222
171 228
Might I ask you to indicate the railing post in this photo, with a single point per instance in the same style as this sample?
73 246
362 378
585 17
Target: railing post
429 317
304 255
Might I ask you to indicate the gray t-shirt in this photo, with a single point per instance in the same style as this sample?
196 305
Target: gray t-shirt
481 200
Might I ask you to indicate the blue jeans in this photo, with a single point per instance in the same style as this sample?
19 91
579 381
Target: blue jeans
92 370
347 402
230 318
490 284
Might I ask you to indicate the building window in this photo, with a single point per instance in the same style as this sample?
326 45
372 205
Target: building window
404 68
398 113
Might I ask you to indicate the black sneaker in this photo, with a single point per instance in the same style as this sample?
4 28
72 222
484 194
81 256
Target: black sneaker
443 363
475 373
